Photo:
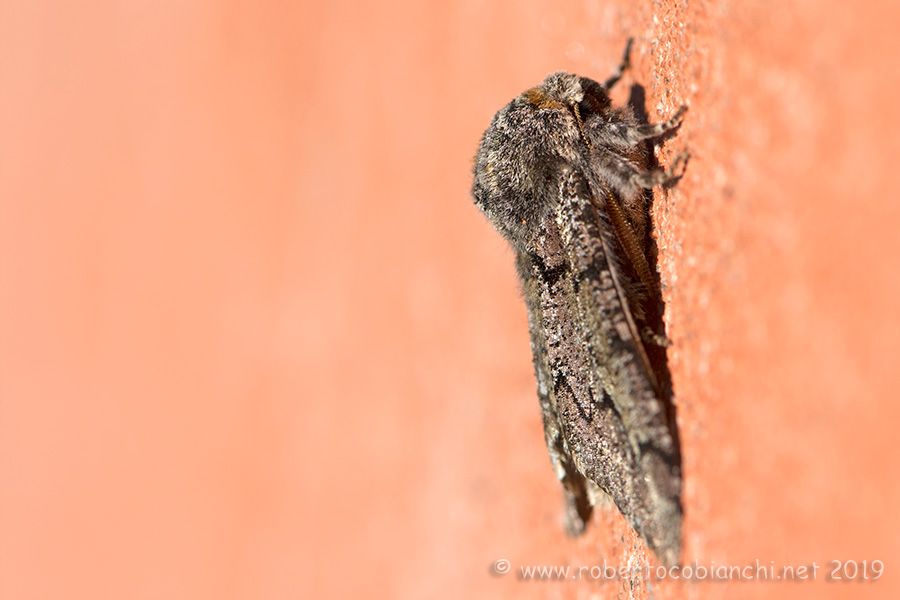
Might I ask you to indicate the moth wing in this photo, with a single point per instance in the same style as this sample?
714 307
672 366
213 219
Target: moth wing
602 304
599 398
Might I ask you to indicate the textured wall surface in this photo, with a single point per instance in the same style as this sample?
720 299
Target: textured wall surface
256 341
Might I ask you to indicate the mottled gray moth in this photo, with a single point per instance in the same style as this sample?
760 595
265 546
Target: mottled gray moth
565 177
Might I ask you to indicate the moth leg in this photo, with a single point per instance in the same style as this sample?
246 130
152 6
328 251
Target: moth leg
657 339
628 134
626 62
645 132
578 506
598 496
626 178
654 177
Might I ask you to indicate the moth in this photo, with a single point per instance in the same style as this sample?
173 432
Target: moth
565 177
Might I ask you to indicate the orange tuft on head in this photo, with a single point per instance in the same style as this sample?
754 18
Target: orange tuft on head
540 99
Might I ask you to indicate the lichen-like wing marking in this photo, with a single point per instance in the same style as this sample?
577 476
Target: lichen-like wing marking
617 351
599 399
539 281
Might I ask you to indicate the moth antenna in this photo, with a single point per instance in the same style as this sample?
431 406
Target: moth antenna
629 241
578 120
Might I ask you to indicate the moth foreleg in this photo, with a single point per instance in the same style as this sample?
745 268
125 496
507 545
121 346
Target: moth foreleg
654 177
626 61
577 504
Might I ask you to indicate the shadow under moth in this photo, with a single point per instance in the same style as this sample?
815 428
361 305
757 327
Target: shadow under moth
565 177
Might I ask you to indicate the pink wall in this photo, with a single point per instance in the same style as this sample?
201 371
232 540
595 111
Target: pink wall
256 342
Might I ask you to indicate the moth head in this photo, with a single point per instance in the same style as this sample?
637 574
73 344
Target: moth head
559 91
594 99
564 91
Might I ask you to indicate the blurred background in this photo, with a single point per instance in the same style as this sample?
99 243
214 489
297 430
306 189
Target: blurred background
256 341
